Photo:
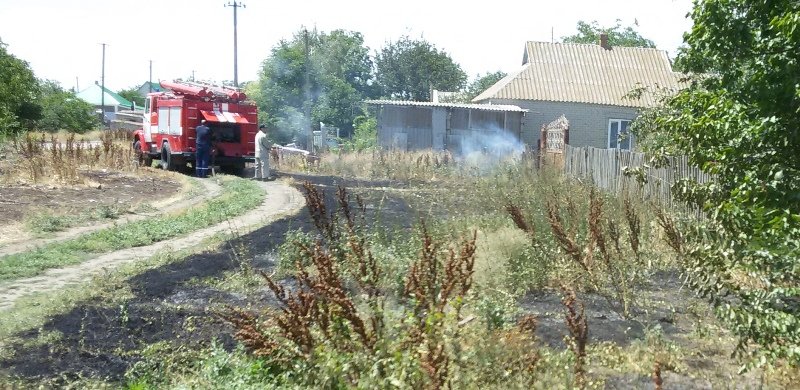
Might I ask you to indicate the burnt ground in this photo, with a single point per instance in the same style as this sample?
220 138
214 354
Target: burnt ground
100 340
109 189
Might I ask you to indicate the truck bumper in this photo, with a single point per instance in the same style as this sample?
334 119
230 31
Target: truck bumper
222 160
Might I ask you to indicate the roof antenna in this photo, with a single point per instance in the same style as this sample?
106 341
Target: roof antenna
551 35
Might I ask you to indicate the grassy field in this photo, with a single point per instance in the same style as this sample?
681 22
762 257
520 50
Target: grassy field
239 196
427 272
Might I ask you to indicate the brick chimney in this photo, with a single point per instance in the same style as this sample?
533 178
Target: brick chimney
604 41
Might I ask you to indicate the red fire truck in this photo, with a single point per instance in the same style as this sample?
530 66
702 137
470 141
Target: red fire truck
171 116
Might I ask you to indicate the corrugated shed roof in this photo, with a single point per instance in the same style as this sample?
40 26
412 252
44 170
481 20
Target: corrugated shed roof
487 107
585 73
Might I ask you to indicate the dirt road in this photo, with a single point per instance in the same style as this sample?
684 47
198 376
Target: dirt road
281 200
210 190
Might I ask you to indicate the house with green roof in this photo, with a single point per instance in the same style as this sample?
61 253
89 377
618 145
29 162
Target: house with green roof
110 101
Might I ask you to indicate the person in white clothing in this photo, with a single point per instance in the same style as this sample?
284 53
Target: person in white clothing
262 155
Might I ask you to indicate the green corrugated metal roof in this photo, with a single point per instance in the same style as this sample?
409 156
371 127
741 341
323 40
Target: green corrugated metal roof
93 96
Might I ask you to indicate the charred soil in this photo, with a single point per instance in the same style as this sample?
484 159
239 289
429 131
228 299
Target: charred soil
99 339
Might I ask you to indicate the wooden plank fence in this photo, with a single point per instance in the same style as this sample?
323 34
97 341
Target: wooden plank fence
604 169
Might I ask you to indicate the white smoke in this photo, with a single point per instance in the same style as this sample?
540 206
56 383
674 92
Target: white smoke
489 147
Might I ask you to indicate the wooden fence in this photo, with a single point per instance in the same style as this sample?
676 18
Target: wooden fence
604 169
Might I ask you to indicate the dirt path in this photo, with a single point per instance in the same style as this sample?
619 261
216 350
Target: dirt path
210 190
281 199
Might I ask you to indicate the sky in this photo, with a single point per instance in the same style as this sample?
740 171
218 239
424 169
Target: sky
61 39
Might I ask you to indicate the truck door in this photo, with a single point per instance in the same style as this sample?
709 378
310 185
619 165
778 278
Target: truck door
147 119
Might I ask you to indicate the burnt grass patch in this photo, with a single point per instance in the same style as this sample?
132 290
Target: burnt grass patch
605 323
102 340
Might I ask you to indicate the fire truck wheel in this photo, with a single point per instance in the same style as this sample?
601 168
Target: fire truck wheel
167 162
142 158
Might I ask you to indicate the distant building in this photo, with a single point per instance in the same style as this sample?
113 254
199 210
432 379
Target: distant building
587 84
110 101
459 128
148 87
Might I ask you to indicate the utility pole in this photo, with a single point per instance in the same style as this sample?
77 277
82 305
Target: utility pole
235 5
150 80
307 87
103 88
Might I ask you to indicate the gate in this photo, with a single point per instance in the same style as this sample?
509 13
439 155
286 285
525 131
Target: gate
552 139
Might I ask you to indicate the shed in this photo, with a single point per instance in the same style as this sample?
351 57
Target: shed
459 128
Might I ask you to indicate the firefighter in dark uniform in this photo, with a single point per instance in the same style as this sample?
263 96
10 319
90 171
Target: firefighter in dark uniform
203 154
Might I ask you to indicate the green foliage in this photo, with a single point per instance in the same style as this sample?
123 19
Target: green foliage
19 93
365 136
314 77
240 196
132 94
497 308
409 69
739 121
48 223
62 110
482 83
617 36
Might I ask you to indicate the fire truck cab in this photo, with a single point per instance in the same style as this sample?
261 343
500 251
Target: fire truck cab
170 119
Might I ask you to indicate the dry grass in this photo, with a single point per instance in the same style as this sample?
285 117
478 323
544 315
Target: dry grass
339 302
418 166
39 158
575 319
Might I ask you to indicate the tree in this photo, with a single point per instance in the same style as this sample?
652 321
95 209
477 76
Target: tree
315 77
409 69
132 94
63 110
365 136
739 121
483 83
617 36
19 93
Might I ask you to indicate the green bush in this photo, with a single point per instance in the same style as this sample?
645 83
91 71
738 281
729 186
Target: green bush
62 110
365 134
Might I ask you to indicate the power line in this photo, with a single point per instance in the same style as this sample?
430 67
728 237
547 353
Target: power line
235 5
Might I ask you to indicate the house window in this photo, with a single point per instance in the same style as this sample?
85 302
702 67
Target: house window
618 135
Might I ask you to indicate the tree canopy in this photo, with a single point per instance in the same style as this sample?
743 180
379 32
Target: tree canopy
314 77
19 93
409 69
62 110
739 120
132 94
617 35
482 83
